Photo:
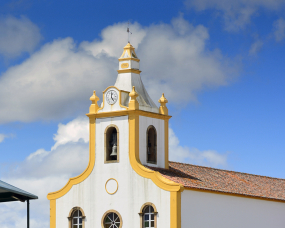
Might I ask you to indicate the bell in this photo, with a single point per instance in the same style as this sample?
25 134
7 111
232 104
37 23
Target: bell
114 150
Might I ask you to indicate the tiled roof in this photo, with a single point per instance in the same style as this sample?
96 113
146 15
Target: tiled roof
224 181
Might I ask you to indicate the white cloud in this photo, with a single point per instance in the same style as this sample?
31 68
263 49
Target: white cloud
18 35
255 47
2 137
194 156
279 27
58 80
236 13
73 131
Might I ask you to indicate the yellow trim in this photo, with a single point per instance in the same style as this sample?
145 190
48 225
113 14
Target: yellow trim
76 180
129 71
124 59
129 112
106 186
166 144
148 204
233 194
175 209
52 213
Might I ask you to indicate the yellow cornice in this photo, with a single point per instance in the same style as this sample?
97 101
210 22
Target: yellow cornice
129 71
76 180
128 112
125 59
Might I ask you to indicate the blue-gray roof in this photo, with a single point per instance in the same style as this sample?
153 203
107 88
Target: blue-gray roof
11 193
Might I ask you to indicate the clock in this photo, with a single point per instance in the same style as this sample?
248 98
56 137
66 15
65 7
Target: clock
111 97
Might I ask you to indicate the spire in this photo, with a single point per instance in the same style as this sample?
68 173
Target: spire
129 76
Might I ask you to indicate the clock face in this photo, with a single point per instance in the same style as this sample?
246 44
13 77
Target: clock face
111 97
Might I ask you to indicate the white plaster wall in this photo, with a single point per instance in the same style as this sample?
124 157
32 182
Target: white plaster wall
113 107
145 122
133 191
205 210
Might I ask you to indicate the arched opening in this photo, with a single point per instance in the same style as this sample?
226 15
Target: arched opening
148 216
76 218
151 145
111 144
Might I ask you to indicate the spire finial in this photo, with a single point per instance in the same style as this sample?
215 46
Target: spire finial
128 31
94 106
163 109
134 104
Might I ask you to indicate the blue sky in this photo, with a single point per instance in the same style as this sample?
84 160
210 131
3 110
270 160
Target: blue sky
219 63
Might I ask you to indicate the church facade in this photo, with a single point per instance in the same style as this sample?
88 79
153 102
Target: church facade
129 181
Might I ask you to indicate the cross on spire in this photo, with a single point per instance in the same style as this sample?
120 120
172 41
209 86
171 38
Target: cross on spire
128 31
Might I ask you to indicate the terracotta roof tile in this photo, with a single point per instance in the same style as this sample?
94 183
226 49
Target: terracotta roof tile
224 181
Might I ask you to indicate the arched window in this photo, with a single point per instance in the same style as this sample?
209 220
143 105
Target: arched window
76 218
151 146
112 219
148 216
111 144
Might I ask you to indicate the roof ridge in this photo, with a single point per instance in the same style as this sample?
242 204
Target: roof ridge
229 171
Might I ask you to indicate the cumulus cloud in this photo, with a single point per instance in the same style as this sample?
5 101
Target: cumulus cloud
236 13
279 29
193 155
58 80
18 35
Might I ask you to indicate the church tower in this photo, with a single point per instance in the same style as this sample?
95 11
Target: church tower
128 139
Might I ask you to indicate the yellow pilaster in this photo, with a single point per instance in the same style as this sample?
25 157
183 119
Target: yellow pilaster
52 213
166 144
175 209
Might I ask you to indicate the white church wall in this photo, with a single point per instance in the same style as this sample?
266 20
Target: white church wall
204 210
145 122
133 190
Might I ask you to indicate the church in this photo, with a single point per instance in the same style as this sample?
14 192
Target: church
130 183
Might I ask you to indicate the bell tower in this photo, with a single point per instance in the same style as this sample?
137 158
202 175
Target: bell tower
128 97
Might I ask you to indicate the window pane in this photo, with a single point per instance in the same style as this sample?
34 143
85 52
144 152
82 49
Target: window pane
76 214
74 226
80 226
80 214
115 216
80 220
108 219
74 221
146 224
152 216
151 209
152 224
146 217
